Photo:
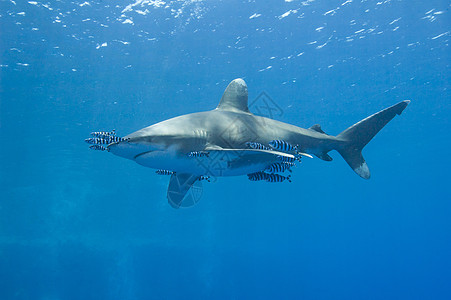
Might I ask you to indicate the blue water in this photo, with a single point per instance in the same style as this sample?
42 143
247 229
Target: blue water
82 224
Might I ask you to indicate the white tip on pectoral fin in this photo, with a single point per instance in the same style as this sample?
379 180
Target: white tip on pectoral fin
363 171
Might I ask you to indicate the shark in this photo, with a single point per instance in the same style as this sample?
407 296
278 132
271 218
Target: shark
231 141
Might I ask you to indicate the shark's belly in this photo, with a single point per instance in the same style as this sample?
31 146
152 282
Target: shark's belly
217 163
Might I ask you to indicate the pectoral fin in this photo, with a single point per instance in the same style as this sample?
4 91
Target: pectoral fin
184 190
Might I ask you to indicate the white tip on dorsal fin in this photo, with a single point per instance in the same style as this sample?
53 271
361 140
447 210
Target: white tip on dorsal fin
235 97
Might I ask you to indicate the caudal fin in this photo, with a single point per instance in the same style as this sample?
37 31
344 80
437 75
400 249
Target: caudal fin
359 134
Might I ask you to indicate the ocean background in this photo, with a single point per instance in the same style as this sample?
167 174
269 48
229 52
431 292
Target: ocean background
82 224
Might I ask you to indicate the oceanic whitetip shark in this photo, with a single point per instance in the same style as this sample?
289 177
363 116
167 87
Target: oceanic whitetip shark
231 141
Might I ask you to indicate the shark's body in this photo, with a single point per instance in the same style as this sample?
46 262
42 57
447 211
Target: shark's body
219 140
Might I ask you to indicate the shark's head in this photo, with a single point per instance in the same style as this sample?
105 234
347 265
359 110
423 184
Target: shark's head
156 147
139 142
169 136
131 148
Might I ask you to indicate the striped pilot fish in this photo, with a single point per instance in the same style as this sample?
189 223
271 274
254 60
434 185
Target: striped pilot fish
116 139
105 141
164 172
103 134
97 141
283 146
198 154
258 176
98 147
280 167
287 158
258 146
277 178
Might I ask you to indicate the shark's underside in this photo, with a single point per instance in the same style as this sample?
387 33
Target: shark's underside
231 141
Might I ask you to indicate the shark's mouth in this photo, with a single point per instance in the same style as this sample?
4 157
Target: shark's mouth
143 153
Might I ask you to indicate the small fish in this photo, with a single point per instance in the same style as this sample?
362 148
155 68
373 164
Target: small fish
277 178
164 172
198 154
290 164
106 140
206 178
97 141
115 139
287 158
103 134
98 147
257 146
258 176
280 167
282 146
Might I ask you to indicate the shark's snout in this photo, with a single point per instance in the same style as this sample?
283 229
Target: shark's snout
130 148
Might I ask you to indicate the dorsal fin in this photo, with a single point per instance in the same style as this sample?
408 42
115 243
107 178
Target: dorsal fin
235 97
317 128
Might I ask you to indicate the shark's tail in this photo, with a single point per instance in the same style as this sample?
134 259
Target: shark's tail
359 134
